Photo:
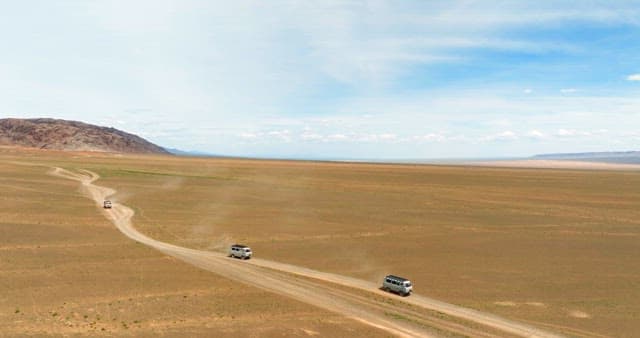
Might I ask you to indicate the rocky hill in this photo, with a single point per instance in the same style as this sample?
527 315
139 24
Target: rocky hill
72 135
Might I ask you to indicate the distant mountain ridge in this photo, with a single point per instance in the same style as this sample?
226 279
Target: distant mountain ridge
607 156
46 133
193 153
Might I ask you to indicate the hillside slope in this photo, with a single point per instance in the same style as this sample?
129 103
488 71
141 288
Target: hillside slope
56 134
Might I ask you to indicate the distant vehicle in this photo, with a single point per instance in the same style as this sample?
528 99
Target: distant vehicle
240 251
397 285
106 204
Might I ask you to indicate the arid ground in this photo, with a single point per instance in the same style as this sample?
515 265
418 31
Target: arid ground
556 249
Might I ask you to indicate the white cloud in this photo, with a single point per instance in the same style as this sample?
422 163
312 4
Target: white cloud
536 134
432 32
387 137
310 136
364 137
572 133
337 137
261 78
507 135
566 132
465 41
633 77
282 135
431 137
248 135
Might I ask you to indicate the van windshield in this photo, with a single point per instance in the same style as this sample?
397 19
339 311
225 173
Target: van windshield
407 284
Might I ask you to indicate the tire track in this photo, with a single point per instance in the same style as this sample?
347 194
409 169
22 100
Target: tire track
271 276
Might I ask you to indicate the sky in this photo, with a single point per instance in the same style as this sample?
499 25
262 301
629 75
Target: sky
332 79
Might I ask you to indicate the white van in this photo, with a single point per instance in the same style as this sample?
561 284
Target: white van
240 251
106 204
397 284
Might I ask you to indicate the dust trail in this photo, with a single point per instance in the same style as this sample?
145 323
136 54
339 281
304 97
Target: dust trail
271 281
276 277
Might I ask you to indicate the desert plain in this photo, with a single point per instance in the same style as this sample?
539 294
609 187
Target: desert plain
556 249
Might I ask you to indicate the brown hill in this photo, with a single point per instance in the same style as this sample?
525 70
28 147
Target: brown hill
72 135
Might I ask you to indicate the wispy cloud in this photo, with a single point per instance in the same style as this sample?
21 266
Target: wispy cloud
337 137
507 135
536 134
250 136
430 137
333 77
572 133
633 77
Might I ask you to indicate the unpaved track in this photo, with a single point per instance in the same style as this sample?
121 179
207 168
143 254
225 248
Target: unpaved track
277 278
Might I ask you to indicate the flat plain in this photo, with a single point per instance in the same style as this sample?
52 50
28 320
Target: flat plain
65 270
556 248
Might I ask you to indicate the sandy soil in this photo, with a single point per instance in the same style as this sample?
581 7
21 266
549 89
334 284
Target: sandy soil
330 298
67 272
556 248
556 164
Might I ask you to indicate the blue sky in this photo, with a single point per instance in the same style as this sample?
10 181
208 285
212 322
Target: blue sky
333 79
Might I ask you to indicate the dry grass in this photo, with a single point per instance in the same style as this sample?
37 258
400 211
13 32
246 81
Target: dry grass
554 247
66 270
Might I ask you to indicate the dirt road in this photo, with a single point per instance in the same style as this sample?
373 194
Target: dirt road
348 296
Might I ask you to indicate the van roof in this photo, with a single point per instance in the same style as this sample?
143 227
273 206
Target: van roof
239 246
397 278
